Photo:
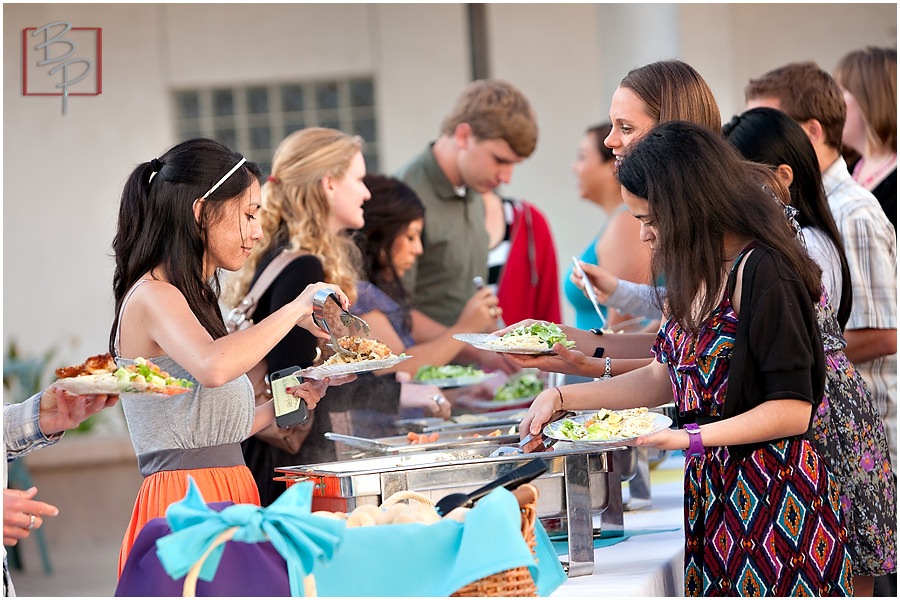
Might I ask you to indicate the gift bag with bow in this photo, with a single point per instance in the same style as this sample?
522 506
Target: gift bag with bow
246 550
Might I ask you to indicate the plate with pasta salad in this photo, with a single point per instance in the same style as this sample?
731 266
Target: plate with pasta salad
371 355
607 427
537 338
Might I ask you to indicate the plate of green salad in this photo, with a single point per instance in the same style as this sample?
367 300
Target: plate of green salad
519 390
536 338
449 376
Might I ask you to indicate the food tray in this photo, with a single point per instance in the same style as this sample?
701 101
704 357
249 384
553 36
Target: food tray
433 474
492 405
420 424
458 438
580 490
503 418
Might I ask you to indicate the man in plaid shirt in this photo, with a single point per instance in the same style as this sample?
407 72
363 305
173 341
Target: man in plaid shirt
37 422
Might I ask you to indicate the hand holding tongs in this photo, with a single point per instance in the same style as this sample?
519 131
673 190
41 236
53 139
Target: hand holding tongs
348 320
534 443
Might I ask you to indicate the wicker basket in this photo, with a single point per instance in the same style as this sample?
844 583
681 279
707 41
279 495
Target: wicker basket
512 582
515 582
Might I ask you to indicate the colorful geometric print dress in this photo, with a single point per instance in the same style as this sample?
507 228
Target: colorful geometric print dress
849 434
768 524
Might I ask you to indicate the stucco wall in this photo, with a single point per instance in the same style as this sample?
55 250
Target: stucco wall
62 174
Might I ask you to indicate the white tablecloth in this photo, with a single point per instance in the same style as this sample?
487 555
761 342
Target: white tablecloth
643 565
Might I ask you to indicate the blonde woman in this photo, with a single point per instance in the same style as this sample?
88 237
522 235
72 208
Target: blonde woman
313 197
868 81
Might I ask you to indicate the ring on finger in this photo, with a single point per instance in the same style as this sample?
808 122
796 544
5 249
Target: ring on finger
438 399
31 524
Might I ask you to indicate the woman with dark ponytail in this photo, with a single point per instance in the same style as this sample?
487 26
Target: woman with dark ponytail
770 137
183 217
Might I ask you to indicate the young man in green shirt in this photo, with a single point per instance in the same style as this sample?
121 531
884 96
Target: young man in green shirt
491 128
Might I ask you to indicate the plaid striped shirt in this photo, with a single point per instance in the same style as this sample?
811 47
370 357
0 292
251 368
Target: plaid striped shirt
21 429
21 434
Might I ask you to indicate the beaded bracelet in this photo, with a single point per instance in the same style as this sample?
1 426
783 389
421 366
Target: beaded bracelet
608 372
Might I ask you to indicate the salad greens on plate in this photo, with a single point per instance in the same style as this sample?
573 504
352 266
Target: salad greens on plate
523 385
431 372
144 371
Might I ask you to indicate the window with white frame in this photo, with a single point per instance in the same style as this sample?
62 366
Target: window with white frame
253 119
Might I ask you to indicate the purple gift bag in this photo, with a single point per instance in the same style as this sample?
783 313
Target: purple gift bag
245 569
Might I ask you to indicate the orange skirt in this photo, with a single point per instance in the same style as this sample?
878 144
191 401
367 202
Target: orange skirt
163 488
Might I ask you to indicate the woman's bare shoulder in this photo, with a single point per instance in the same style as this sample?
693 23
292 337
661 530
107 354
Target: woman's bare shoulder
156 296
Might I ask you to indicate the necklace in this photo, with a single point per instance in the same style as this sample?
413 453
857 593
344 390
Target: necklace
865 182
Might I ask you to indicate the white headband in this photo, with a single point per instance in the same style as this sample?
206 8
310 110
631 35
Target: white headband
225 178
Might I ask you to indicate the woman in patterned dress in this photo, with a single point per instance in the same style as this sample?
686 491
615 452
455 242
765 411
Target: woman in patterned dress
741 350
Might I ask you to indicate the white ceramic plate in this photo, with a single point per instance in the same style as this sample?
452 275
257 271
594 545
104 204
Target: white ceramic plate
482 341
660 422
323 371
108 384
453 382
496 404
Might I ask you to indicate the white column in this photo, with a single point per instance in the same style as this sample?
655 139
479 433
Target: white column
632 35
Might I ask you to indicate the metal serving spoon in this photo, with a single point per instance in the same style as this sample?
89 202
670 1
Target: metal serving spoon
534 443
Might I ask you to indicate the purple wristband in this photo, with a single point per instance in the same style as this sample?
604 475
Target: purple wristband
696 445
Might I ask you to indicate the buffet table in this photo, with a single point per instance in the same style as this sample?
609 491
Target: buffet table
650 560
639 552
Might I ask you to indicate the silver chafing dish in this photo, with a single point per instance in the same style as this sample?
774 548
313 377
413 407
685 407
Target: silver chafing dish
500 418
580 494
352 447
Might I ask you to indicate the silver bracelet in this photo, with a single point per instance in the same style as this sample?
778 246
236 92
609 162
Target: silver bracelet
608 372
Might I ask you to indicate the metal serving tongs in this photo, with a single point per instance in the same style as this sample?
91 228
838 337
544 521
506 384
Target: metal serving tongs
358 442
589 290
524 474
323 311
534 443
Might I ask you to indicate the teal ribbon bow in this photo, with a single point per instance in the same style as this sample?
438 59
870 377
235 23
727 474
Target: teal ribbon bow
300 537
